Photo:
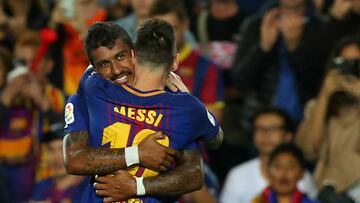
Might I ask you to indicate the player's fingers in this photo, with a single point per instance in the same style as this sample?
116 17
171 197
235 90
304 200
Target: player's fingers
163 168
158 135
170 85
173 153
99 186
166 164
109 200
169 158
101 179
101 193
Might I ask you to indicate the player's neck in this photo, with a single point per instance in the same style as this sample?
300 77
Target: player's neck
147 79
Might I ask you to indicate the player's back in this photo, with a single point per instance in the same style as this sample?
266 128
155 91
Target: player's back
122 116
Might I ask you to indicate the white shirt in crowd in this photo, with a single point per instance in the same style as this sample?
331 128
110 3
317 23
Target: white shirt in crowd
245 181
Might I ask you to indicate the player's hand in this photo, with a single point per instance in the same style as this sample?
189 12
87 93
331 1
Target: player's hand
119 186
174 83
155 156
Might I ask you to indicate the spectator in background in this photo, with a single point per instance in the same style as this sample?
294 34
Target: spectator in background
60 186
141 13
251 7
29 103
271 127
215 30
198 73
274 63
18 16
323 6
118 9
286 168
5 65
343 20
72 21
330 131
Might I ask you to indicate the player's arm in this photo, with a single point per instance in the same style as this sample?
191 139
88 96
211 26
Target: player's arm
206 127
186 177
81 159
217 141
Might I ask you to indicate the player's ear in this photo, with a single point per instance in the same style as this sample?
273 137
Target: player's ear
176 62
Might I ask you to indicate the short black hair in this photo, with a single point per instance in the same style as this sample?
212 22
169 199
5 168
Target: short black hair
155 44
288 148
105 34
163 7
341 44
288 122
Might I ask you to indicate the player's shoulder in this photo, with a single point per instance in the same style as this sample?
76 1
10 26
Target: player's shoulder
73 98
94 83
183 98
89 70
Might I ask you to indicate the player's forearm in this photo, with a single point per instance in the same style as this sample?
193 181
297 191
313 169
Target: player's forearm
80 159
186 177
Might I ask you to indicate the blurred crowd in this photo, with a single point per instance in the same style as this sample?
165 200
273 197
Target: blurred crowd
282 76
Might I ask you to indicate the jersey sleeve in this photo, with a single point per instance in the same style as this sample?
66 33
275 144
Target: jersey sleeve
205 125
76 114
194 145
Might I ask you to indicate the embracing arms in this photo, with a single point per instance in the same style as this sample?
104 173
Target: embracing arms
81 159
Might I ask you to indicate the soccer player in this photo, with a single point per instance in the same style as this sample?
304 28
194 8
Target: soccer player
107 161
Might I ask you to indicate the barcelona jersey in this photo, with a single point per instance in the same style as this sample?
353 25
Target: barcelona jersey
122 116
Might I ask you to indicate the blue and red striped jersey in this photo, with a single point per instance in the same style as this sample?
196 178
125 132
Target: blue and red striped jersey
122 116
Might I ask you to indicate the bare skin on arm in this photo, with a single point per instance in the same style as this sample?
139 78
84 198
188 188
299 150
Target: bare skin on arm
80 159
186 177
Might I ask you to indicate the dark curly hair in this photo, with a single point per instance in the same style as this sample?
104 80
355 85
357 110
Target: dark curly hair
104 34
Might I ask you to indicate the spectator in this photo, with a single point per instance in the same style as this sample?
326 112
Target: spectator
271 128
28 102
286 169
141 9
330 131
18 16
141 13
274 64
215 30
72 25
344 20
198 73
118 9
5 65
59 186
323 6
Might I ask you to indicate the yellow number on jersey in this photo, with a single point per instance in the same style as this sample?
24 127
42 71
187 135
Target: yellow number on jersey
118 134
